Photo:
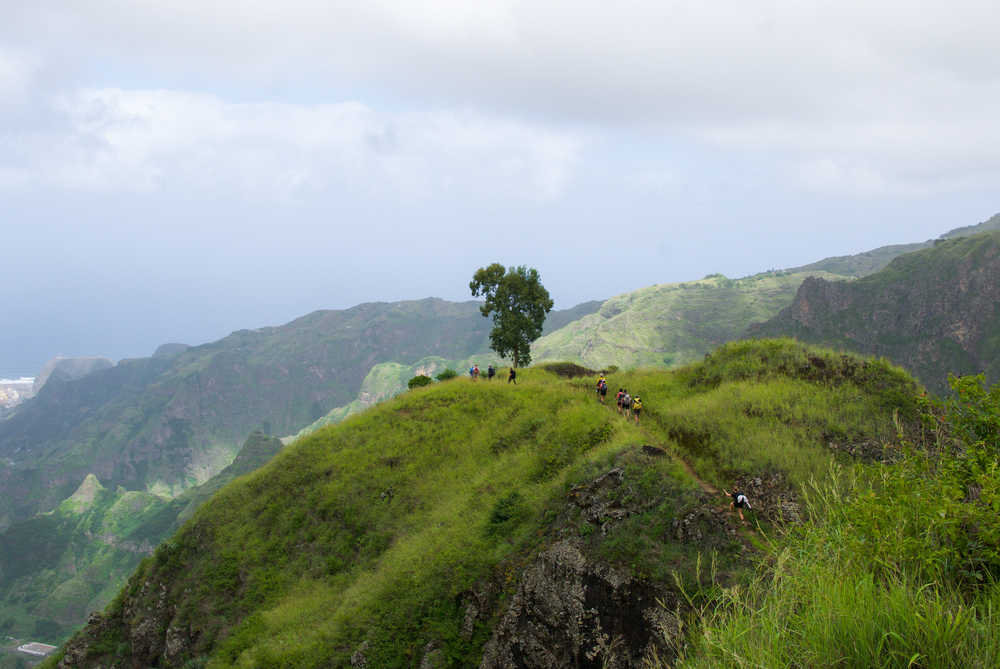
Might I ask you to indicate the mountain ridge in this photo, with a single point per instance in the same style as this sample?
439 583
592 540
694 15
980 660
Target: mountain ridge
934 311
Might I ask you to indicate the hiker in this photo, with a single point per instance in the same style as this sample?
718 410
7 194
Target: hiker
512 377
618 399
472 374
739 502
636 408
602 388
490 373
627 404
475 372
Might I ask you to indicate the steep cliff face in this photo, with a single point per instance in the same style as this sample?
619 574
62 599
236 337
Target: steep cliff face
935 311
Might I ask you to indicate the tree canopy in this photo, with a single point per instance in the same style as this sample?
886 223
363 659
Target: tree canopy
518 303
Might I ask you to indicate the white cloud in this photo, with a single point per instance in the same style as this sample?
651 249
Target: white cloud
15 76
113 139
877 87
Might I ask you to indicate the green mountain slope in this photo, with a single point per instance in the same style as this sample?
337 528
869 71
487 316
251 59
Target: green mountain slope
935 311
869 262
489 524
670 324
673 324
57 567
168 422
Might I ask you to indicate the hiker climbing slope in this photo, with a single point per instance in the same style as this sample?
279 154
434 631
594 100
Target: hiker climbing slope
602 388
636 408
739 502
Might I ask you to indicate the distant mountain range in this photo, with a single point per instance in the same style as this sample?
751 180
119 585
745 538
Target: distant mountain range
168 422
675 324
57 567
148 438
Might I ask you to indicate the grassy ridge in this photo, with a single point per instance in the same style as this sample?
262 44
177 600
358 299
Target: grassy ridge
391 519
370 531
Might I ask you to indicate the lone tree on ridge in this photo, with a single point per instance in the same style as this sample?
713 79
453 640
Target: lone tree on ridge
518 302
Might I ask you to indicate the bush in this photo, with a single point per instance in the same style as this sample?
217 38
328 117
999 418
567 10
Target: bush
419 381
449 373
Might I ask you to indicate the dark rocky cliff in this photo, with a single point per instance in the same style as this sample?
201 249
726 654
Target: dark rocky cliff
935 312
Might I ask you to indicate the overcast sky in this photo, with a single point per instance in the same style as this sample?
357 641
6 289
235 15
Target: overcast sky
173 171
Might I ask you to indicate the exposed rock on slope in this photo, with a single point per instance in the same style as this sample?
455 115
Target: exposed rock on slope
935 311
570 612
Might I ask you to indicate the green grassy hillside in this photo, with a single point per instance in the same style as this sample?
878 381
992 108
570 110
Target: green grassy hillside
378 536
670 324
674 324
57 567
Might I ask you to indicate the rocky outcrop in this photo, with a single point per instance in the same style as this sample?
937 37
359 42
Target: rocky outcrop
934 312
562 605
771 497
569 611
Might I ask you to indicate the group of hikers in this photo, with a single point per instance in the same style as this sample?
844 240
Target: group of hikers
628 406
491 371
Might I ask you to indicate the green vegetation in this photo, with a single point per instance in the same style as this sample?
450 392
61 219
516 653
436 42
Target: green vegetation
372 532
518 303
670 325
447 374
898 567
419 381
60 566
934 311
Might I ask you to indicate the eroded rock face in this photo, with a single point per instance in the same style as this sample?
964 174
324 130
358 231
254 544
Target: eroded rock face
771 496
571 612
706 526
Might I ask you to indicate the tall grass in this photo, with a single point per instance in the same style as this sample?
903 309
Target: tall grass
897 567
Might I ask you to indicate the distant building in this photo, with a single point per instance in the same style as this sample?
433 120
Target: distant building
37 649
15 391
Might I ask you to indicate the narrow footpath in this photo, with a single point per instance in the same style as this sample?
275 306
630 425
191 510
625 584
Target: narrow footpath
744 529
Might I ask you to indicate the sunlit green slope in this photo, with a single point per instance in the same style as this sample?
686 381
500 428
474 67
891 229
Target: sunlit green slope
369 536
671 324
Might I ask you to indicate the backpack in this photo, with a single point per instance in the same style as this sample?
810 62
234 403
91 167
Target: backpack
637 404
627 401
602 385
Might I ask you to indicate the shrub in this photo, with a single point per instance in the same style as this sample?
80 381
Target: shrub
449 373
419 381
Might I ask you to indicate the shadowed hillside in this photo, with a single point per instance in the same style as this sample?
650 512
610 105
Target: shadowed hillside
935 311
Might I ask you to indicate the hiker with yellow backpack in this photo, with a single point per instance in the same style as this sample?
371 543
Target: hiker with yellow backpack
636 408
